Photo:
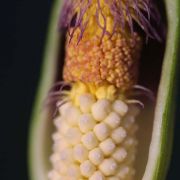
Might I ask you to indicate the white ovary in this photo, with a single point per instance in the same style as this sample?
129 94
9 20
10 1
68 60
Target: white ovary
101 109
120 154
87 168
66 155
120 107
63 110
118 135
85 102
56 147
54 175
129 143
63 127
60 144
113 120
56 137
73 171
124 171
96 156
128 122
107 146
73 136
72 116
86 122
80 153
60 167
54 158
108 167
97 176
94 140
102 131
89 140
131 156
57 122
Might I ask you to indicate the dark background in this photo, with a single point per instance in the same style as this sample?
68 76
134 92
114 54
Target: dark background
23 28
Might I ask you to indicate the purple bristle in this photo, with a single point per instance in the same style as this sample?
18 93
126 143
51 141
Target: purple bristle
124 12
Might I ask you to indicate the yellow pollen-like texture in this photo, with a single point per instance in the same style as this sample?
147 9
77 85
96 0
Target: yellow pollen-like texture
95 139
113 60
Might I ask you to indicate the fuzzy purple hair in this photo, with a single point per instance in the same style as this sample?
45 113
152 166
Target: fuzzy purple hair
123 11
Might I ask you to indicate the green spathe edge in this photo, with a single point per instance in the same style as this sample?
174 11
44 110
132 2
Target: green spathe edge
160 148
37 163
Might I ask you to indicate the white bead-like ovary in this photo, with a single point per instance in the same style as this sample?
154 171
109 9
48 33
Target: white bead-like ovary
120 154
128 122
66 155
113 120
74 171
102 131
97 176
96 156
73 136
101 109
86 122
60 167
87 168
108 167
89 140
72 115
80 153
54 157
107 146
57 122
54 175
119 134
124 171
63 110
120 107
129 143
60 144
85 102
63 127
56 137
97 144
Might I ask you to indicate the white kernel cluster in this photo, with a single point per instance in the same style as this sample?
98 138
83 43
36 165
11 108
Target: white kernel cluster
95 140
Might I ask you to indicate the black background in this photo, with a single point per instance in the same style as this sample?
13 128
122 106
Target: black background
23 28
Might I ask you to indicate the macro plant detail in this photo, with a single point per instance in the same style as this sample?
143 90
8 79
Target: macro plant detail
96 128
96 104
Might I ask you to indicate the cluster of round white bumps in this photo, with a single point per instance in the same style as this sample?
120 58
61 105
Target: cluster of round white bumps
95 140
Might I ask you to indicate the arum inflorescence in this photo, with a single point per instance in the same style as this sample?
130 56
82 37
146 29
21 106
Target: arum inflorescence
98 134
96 127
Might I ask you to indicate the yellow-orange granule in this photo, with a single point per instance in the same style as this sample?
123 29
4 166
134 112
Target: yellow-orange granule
110 60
